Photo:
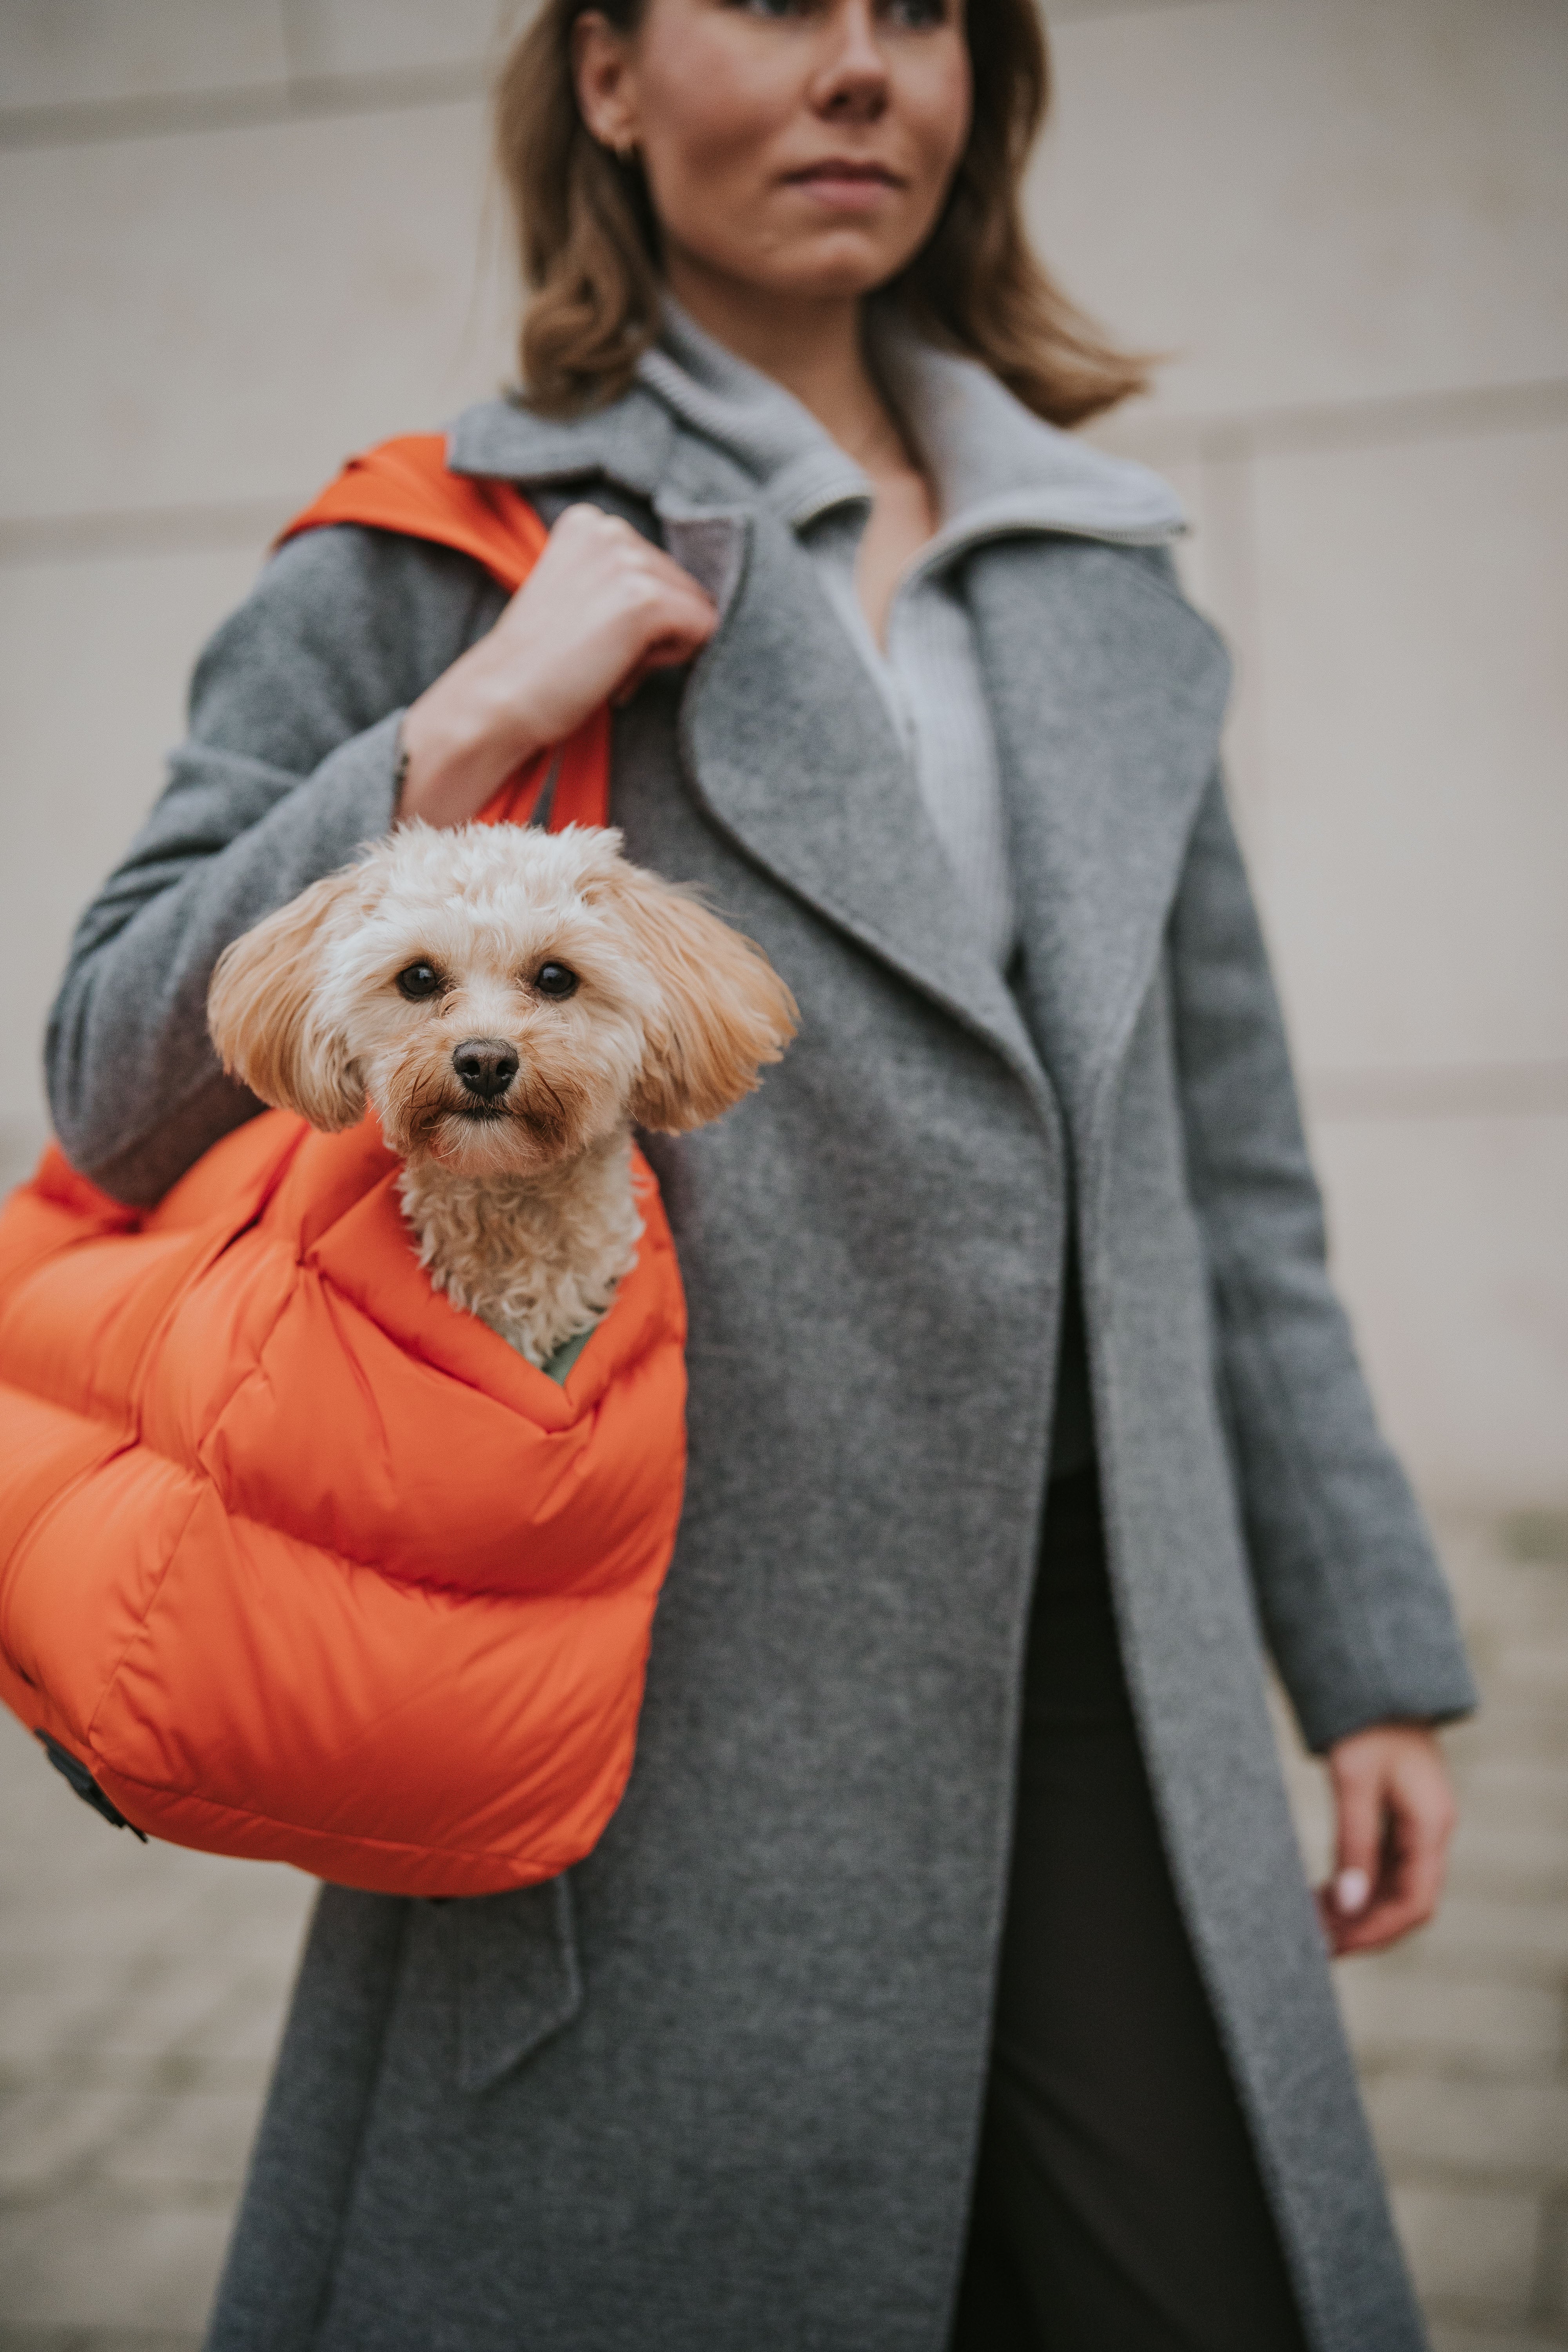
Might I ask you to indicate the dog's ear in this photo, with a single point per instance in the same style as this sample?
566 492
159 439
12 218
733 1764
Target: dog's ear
265 1015
723 1011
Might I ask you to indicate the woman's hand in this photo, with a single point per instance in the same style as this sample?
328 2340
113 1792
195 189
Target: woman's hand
1395 1813
599 610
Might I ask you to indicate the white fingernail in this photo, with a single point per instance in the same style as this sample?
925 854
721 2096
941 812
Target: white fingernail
1352 1888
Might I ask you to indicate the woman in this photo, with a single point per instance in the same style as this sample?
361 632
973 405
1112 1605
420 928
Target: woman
947 1974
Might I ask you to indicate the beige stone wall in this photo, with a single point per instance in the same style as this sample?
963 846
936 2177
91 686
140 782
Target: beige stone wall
240 238
1347 223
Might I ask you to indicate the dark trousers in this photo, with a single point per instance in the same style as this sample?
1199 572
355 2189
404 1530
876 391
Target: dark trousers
1117 2201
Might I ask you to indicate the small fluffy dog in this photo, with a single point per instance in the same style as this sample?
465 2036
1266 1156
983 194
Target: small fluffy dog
511 1003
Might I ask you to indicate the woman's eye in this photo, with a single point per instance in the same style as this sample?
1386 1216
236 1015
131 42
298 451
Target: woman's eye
909 16
555 980
418 980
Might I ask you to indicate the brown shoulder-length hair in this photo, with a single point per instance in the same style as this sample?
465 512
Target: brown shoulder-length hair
589 239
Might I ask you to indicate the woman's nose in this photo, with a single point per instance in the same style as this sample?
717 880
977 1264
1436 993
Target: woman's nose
853 83
486 1066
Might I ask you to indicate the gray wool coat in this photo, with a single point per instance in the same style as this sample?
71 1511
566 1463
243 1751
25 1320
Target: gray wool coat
721 2087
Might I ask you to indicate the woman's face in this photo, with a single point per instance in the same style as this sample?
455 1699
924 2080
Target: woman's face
800 147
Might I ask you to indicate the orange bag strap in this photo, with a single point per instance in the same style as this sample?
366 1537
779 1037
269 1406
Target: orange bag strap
406 486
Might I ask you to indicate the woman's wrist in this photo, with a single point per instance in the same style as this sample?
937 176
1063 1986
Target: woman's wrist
460 741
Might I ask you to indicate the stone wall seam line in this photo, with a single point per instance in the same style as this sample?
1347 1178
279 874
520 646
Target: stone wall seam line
145 530
308 97
1359 423
1466 1090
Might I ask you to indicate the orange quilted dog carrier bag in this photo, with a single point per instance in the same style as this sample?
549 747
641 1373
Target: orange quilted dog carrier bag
297 1559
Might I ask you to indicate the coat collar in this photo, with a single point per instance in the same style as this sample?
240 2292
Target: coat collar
705 427
1104 730
628 444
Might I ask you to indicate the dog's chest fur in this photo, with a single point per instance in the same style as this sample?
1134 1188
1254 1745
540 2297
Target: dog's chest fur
537 1257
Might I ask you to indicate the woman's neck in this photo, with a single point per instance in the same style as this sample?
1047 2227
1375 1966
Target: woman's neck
813 348
816 351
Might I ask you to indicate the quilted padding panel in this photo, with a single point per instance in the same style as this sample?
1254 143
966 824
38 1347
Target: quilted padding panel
301 1561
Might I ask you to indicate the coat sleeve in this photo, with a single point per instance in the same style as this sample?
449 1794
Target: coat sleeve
1353 1603
287 766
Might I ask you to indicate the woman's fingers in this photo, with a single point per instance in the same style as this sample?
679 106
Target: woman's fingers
1419 1821
605 597
1396 1815
600 609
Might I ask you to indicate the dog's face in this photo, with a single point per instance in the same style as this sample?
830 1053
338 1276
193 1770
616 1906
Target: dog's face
504 998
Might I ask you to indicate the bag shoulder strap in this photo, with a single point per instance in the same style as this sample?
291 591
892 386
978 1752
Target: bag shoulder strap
405 486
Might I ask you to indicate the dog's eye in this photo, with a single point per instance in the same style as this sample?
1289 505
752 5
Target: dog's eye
555 980
419 980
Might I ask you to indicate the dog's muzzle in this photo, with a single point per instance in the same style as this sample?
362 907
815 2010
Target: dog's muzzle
486 1067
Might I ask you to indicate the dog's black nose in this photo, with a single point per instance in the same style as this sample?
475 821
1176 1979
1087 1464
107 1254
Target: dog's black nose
487 1066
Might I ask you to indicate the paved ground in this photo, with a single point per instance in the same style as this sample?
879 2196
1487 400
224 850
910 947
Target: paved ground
141 1993
140 1990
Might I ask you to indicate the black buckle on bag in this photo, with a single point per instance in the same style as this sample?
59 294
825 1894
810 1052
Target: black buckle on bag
85 1786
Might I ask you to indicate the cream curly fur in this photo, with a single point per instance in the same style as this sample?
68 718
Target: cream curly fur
521 1205
537 1258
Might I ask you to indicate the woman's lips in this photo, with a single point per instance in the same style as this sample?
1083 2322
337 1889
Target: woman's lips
845 187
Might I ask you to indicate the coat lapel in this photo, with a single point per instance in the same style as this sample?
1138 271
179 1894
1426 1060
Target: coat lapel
1107 691
790 747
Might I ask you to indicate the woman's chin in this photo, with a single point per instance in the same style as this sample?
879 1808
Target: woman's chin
829 257
840 262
